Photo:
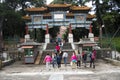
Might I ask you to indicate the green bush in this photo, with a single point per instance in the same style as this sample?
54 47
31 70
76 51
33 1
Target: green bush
114 43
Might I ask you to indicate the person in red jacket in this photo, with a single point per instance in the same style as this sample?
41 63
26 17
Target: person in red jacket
57 47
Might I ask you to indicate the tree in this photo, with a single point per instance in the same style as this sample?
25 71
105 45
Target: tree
13 25
11 21
79 33
22 4
12 11
117 2
3 9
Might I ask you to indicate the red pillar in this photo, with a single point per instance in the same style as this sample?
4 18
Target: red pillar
26 29
90 29
47 29
70 29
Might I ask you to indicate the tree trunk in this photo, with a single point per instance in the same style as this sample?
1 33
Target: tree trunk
1 39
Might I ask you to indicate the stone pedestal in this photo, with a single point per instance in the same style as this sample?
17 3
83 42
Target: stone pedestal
91 36
47 38
70 38
27 37
5 55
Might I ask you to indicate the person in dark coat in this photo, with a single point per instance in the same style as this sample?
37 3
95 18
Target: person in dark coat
54 60
92 58
78 59
58 61
84 56
60 55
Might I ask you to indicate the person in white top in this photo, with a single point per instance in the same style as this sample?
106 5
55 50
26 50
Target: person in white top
65 55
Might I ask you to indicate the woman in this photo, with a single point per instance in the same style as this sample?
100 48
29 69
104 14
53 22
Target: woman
92 58
73 60
84 57
54 60
60 55
78 59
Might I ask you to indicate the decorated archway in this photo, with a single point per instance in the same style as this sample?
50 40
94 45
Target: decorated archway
59 15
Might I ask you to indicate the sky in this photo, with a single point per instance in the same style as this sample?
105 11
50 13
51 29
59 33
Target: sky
88 4
49 1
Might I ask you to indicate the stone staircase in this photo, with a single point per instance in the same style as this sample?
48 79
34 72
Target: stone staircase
67 46
50 48
37 61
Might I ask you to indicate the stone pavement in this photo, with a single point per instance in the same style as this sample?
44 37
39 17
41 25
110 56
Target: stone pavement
19 71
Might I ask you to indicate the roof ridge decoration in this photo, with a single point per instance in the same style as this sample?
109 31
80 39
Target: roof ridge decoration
80 8
59 5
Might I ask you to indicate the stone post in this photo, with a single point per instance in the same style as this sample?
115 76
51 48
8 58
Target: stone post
91 35
26 29
27 36
47 36
70 35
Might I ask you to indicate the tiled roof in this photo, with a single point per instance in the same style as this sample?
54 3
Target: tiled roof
26 17
36 9
80 8
59 5
31 43
47 14
91 16
68 14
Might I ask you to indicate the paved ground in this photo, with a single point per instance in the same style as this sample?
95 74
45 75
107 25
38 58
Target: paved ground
19 71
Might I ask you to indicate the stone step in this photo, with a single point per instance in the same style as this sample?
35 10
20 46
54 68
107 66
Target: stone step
52 46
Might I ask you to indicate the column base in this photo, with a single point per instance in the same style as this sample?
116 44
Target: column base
91 37
27 37
70 38
47 38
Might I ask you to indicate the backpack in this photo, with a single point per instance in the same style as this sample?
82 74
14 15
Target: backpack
55 51
55 58
59 40
79 57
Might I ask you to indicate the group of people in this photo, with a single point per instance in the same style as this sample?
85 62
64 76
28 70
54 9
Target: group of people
55 59
57 55
82 58
75 60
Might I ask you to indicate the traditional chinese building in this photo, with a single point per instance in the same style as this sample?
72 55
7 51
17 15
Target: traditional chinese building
65 15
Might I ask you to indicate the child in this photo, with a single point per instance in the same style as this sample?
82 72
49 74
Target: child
47 60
